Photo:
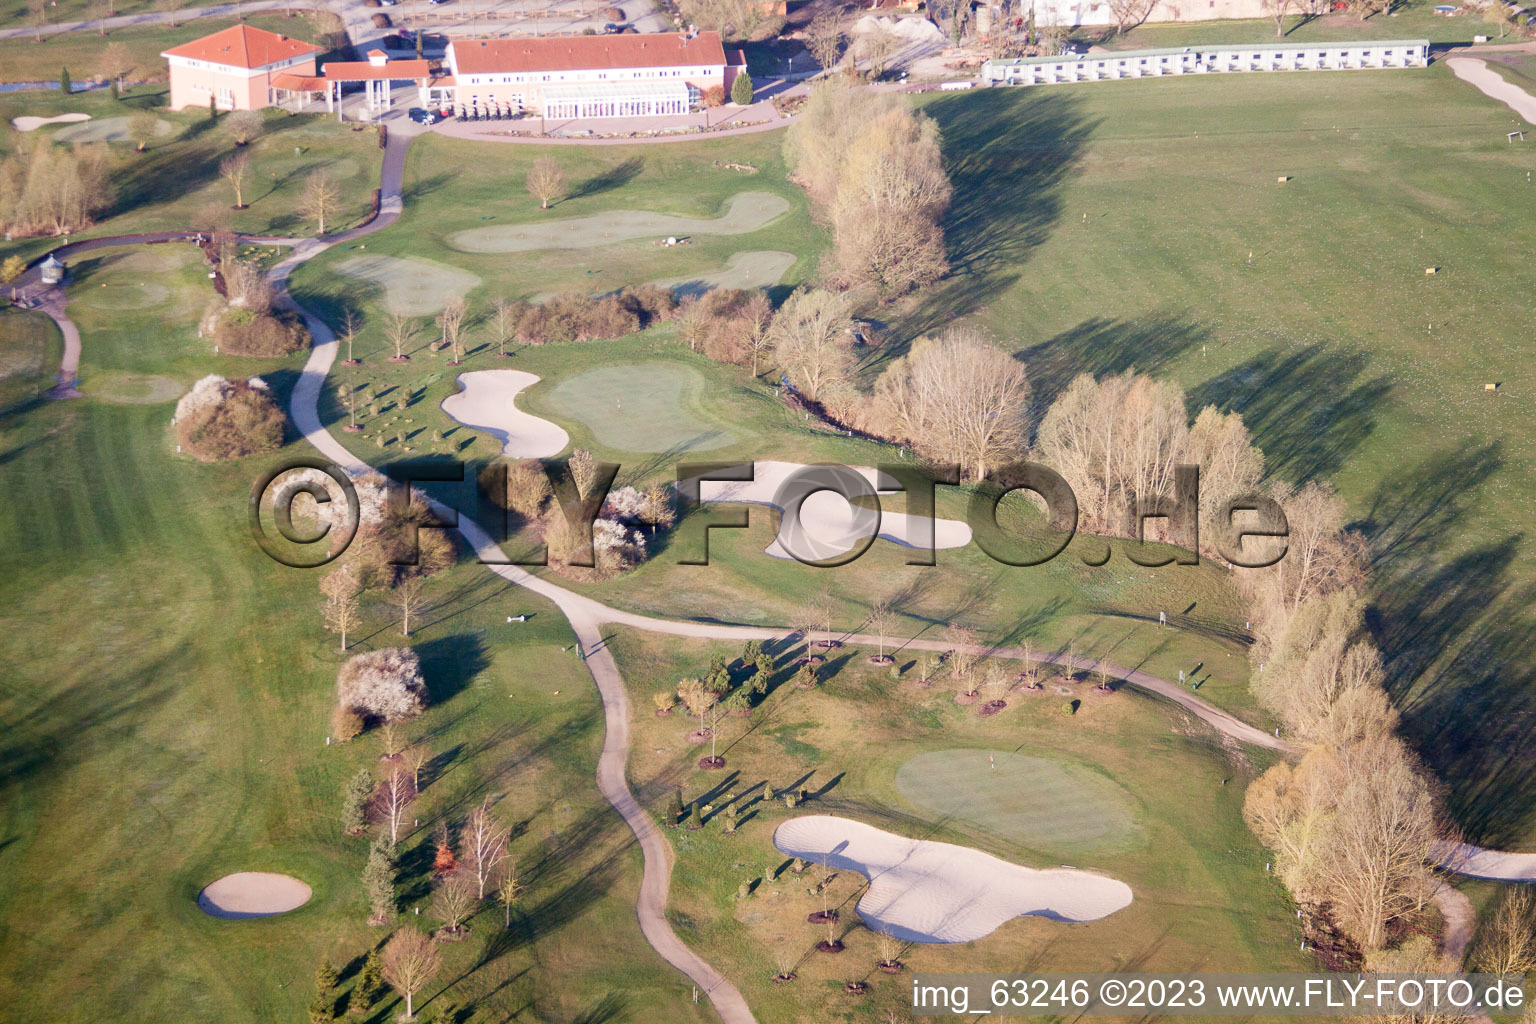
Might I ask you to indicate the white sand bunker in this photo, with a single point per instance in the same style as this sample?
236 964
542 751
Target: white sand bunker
30 122
108 129
488 403
922 891
829 524
411 286
252 894
758 268
744 212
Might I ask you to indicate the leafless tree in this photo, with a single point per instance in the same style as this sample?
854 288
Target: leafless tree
877 47
451 320
37 17
824 39
509 890
1506 942
116 64
242 125
881 618
319 198
411 961
503 323
546 181
820 143
392 739
453 900
1131 13
172 8
342 600
697 698
395 795
349 321
963 655
958 401
142 126
406 596
485 844
399 329
1277 10
811 341
416 757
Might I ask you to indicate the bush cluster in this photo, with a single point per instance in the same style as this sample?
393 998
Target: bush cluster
573 316
224 419
245 332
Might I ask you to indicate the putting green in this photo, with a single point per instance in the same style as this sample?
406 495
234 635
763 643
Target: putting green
744 212
108 129
756 268
131 388
1042 803
123 294
412 286
640 407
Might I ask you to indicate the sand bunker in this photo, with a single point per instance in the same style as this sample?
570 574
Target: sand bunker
922 891
252 894
411 286
1495 86
640 407
29 122
108 129
829 524
744 212
759 268
487 403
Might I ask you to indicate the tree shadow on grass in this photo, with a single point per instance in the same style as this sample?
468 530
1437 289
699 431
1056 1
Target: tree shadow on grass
1010 151
1308 409
617 176
1103 346
1457 640
448 664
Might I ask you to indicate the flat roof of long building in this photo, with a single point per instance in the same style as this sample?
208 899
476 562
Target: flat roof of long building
584 53
1180 51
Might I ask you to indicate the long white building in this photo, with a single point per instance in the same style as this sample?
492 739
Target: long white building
1194 60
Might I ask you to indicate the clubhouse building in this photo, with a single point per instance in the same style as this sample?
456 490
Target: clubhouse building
238 68
627 75
1193 60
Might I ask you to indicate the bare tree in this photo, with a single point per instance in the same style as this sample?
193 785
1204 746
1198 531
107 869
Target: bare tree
451 320
485 844
881 618
958 401
395 795
406 596
546 181
811 341
509 890
963 655
172 8
116 64
399 329
503 324
824 39
342 605
877 47
392 739
1131 13
242 125
453 901
1506 943
697 698
1276 9
319 198
349 323
820 143
236 169
37 17
411 961
142 126
417 757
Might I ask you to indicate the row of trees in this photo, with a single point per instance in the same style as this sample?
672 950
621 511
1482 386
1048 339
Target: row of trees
47 189
874 169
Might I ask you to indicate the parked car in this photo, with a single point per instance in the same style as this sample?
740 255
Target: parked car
423 116
610 29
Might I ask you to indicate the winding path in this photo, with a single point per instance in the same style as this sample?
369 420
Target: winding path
588 616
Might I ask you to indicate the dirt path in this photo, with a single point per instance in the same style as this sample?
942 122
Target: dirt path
1488 82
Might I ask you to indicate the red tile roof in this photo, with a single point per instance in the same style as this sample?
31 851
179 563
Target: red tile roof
358 70
581 53
242 46
299 83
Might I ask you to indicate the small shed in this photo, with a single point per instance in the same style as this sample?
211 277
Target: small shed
52 270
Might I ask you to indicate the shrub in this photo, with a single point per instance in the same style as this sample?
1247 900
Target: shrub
614 14
384 684
741 89
346 724
244 332
714 96
223 419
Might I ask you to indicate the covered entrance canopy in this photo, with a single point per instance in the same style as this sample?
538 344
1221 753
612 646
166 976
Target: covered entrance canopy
377 74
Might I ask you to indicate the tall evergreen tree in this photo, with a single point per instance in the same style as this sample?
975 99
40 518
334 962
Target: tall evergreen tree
66 86
354 802
379 885
370 982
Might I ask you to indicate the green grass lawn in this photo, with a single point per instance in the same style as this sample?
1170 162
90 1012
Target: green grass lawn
25 59
1413 20
1202 900
1141 224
